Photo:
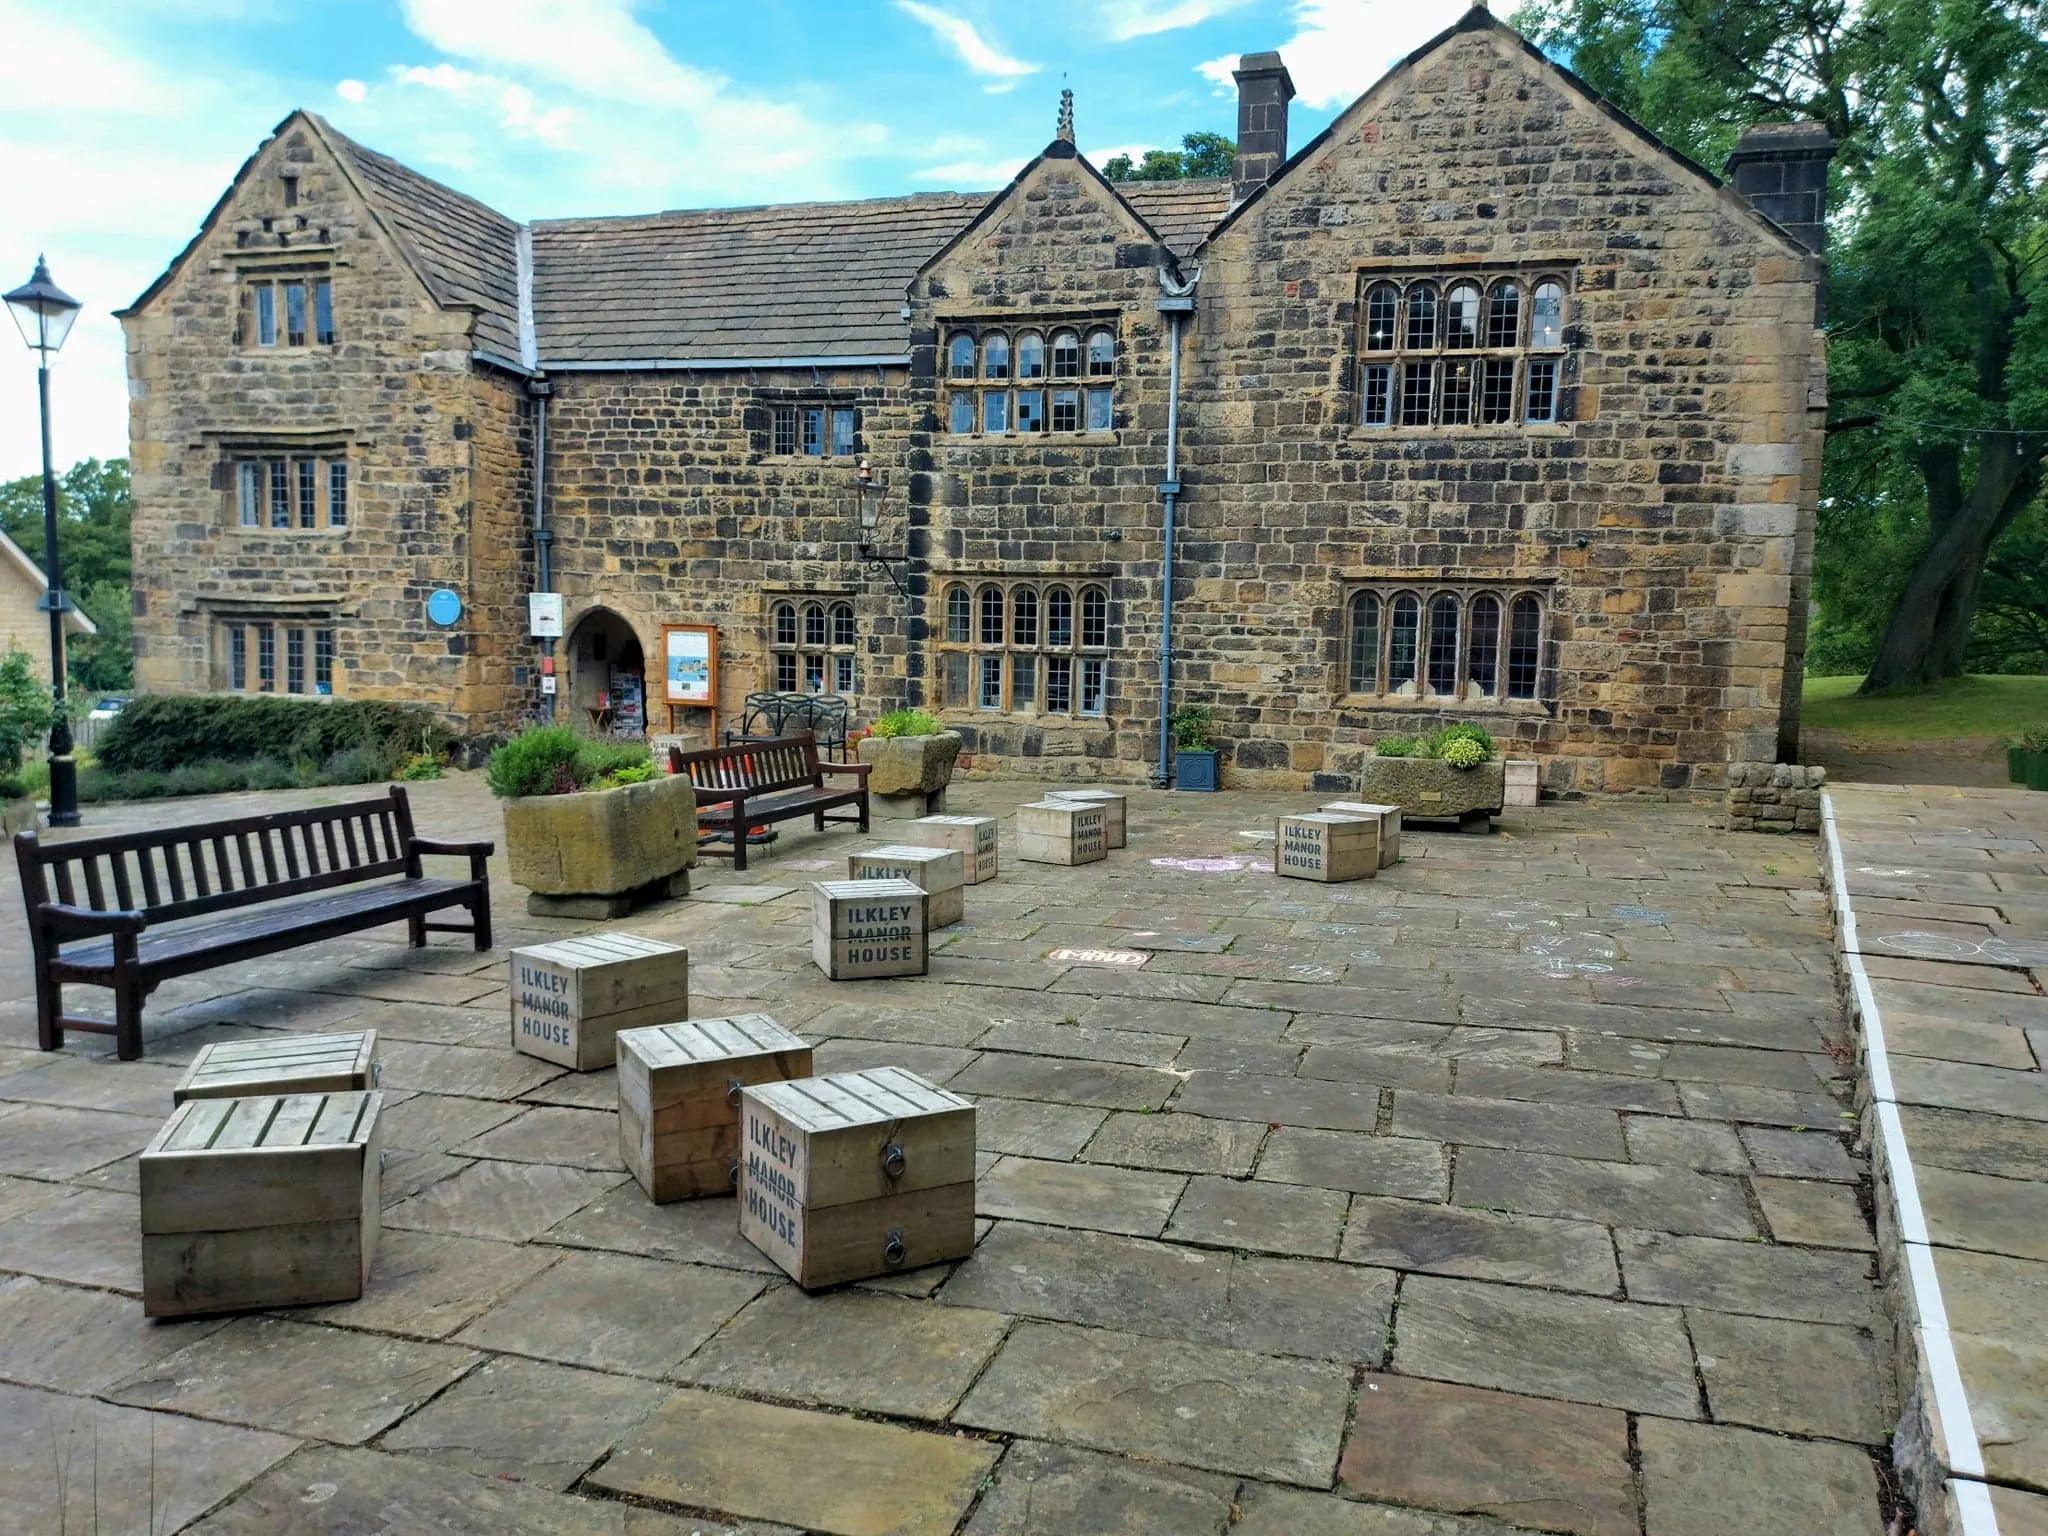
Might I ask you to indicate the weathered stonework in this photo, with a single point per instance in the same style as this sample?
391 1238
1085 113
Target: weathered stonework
1774 797
1667 517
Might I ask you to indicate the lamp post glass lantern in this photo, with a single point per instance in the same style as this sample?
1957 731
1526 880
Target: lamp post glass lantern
44 313
869 498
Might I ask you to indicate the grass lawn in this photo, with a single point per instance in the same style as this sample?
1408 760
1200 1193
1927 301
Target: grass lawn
1978 705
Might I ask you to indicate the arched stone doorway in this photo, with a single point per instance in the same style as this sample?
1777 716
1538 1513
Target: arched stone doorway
607 676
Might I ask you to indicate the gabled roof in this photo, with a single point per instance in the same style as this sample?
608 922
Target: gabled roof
466 253
1182 211
799 280
76 620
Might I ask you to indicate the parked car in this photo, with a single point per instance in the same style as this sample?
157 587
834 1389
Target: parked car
107 707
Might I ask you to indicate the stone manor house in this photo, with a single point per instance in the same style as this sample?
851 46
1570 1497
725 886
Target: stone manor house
1483 404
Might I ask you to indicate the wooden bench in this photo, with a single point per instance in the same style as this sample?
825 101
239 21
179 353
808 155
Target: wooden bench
752 783
118 918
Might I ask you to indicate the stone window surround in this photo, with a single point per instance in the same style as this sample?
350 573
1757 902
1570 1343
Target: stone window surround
814 627
309 621
1419 692
323 449
1075 671
787 422
1444 274
254 279
1094 390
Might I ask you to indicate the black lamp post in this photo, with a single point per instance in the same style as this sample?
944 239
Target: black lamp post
45 312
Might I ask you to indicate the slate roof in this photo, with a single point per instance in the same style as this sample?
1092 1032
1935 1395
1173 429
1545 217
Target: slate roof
465 252
795 280
1182 211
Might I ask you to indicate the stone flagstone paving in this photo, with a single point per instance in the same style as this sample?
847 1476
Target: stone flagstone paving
1518 1190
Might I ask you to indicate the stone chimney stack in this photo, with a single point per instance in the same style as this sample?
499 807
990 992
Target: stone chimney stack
1263 91
1782 170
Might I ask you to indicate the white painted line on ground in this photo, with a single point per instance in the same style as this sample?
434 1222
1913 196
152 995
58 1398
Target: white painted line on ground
1945 1377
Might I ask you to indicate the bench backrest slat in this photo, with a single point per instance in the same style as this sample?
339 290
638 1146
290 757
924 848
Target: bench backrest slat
757 767
213 867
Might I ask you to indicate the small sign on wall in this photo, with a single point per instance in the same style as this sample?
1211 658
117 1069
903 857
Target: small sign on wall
544 615
690 665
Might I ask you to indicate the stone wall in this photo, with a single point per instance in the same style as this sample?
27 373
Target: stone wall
1774 797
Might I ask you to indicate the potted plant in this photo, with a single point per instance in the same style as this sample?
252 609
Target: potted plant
592 828
2023 751
1452 774
911 757
1194 759
26 715
2034 762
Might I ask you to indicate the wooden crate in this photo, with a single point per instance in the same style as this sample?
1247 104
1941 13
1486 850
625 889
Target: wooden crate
679 1098
858 1174
260 1202
571 998
1112 804
1321 845
1389 818
974 838
1519 785
1061 832
240 1069
939 872
862 928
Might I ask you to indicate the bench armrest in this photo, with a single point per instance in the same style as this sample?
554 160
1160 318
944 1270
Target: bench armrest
862 769
477 853
82 922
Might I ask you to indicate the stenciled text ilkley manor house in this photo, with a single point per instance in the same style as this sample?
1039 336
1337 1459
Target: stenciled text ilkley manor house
1487 406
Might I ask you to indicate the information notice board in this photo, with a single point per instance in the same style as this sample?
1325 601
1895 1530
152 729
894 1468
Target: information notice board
689 666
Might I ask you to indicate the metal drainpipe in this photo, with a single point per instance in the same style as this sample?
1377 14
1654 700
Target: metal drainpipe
543 536
1177 304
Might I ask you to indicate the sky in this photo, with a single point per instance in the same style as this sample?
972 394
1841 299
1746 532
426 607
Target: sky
122 121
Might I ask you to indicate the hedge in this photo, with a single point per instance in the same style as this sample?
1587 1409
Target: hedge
164 731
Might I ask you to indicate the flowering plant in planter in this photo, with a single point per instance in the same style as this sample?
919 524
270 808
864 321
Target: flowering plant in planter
591 818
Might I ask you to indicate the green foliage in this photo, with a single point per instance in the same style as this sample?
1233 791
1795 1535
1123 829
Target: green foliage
13 788
161 731
103 662
1397 746
1439 742
1979 707
554 760
1462 752
906 722
1199 155
355 765
1193 727
421 765
92 541
26 710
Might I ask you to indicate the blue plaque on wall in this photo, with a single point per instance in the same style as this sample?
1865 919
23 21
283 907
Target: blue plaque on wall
444 607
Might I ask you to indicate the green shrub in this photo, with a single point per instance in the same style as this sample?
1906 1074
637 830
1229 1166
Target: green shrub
634 775
26 708
268 773
554 760
906 722
14 788
161 731
421 765
1397 746
1463 752
355 765
1193 727
1438 742
2035 740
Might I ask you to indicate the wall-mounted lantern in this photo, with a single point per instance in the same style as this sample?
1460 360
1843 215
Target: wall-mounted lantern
870 496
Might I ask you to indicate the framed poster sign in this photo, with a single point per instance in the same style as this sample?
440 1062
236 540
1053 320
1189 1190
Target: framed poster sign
689 665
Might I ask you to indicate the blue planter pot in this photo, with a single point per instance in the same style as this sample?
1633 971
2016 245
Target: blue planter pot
1196 770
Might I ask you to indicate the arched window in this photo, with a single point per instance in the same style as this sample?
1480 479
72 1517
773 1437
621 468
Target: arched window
1365 643
1066 355
842 623
1030 356
1101 354
995 356
1525 646
991 615
1546 315
1380 303
1482 647
1461 317
1059 617
1421 316
1094 617
959 616
1503 315
960 356
814 624
785 623
1443 645
1024 615
816 656
1402 642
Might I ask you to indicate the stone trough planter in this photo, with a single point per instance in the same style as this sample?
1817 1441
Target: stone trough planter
1428 790
910 773
605 851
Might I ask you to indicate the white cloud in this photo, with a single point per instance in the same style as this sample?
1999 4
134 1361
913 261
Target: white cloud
1101 157
1127 19
516 109
975 51
351 90
970 175
1341 47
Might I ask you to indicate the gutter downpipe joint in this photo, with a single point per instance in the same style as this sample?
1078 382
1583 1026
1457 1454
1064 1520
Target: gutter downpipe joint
1178 303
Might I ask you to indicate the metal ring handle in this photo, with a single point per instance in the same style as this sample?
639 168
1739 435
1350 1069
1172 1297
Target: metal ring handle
892 1159
893 1251
732 1091
732 1171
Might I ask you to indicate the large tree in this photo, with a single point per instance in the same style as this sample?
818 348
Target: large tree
92 539
1200 154
1938 310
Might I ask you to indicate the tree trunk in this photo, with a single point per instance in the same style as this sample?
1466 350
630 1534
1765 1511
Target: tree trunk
1929 630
